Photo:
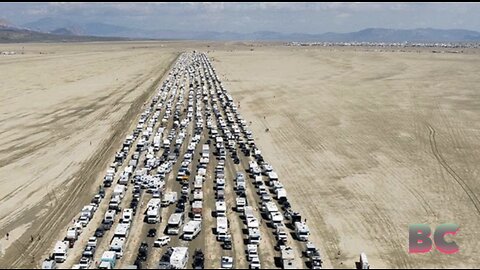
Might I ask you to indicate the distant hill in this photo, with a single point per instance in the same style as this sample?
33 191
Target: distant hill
17 35
66 27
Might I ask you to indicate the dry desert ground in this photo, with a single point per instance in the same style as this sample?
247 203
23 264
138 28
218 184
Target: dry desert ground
365 142
368 143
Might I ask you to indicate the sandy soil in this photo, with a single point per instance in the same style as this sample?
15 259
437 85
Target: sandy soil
367 143
64 111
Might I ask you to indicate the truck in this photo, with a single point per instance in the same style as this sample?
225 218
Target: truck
191 229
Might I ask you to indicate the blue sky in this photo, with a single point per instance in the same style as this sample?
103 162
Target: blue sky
250 17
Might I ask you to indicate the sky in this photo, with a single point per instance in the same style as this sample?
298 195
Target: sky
312 18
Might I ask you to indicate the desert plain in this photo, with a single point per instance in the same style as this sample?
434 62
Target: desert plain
365 142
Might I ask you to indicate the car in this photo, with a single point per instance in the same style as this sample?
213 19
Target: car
198 259
152 232
143 251
162 241
255 263
227 262
84 263
266 197
99 232
227 242
89 251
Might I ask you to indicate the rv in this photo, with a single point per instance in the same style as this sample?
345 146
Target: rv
122 230
127 215
241 203
222 228
60 251
221 208
288 257
254 236
119 190
153 211
281 194
179 257
108 260
175 221
363 261
169 198
301 231
191 229
205 151
117 245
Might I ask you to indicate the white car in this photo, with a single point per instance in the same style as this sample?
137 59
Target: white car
227 262
162 241
255 263
84 263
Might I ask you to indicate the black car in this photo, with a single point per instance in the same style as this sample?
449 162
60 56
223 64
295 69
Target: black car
152 232
99 232
143 251
198 259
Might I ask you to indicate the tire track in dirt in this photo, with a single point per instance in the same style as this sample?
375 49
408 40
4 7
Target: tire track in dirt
433 143
83 179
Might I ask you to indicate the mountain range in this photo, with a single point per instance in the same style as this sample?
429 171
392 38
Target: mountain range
68 29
